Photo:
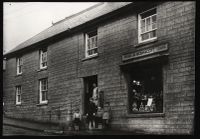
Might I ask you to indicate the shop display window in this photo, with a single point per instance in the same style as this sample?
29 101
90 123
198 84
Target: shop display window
146 90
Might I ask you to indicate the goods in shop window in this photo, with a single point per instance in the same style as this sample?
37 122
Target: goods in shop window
153 106
134 106
150 100
147 108
141 109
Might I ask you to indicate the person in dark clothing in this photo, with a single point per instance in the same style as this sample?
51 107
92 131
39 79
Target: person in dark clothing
92 109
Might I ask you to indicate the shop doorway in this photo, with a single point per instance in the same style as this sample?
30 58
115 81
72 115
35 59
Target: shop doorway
88 89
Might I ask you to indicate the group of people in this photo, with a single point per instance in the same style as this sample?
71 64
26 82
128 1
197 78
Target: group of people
96 115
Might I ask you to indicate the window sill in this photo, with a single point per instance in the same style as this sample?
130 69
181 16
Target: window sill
144 115
147 42
41 69
19 75
18 104
42 104
90 57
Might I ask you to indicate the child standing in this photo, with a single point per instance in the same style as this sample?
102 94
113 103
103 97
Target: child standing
77 119
106 116
98 117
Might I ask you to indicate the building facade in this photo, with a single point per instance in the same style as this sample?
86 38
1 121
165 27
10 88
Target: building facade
141 56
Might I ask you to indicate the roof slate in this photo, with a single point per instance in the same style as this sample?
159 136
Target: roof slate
72 21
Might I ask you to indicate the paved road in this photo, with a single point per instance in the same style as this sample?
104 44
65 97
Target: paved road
11 131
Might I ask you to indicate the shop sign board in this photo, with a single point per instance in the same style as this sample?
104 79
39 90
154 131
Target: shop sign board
145 52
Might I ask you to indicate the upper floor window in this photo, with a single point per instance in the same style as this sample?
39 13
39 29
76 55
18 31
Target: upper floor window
147 23
43 90
18 94
19 65
91 48
43 58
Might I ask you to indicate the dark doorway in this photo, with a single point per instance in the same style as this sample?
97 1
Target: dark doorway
88 88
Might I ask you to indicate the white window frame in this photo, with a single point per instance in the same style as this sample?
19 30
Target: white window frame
42 52
19 65
41 91
86 45
139 26
18 93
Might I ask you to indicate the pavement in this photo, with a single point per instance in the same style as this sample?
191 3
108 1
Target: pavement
21 127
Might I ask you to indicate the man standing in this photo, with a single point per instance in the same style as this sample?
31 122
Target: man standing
95 95
92 109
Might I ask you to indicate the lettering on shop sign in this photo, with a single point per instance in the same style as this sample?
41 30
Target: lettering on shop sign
145 52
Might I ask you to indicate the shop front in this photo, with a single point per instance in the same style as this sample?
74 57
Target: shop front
144 74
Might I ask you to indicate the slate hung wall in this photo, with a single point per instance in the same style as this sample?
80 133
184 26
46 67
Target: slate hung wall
117 36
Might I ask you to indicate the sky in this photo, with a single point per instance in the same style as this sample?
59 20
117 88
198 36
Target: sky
23 20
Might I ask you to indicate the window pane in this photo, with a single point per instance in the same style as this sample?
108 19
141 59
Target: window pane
153 34
145 36
142 29
44 58
154 26
19 98
20 69
142 23
88 45
95 50
154 18
148 24
43 96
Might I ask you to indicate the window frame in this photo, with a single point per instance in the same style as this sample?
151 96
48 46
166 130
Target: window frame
42 51
41 91
86 43
19 65
139 26
18 93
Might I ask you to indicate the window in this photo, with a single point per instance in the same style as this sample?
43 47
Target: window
18 94
147 25
91 43
43 58
145 90
43 90
19 65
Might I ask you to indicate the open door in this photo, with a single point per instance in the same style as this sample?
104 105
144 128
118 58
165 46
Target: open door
88 89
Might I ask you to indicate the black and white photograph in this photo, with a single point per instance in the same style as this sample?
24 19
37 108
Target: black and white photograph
99 68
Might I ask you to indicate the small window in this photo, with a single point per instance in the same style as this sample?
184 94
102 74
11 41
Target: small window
19 65
147 23
43 90
91 43
43 58
18 94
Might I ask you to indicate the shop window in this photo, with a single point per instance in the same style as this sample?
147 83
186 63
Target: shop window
147 22
145 90
43 90
43 58
18 95
91 48
19 65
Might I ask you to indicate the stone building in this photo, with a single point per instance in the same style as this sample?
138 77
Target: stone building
140 54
